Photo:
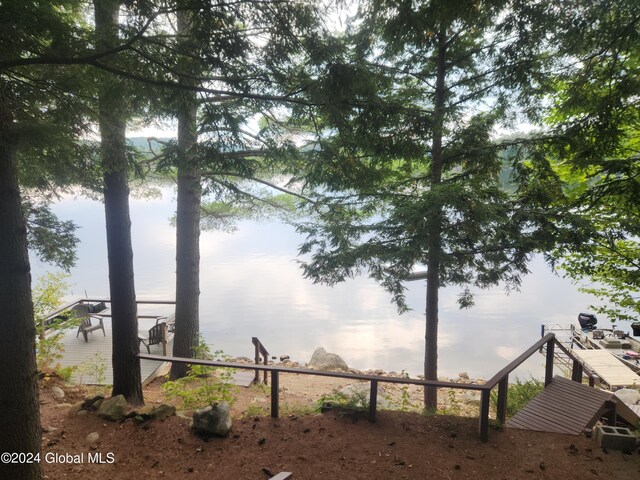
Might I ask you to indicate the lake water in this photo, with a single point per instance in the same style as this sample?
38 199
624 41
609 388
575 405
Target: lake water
252 286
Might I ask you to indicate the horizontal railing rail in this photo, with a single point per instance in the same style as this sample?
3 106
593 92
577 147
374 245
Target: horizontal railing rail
68 306
500 379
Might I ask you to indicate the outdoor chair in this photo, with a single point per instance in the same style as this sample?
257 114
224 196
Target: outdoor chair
157 335
82 311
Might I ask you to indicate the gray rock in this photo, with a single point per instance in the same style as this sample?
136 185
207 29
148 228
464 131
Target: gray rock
213 420
114 408
75 408
93 402
57 392
629 396
470 397
159 412
93 437
463 375
323 360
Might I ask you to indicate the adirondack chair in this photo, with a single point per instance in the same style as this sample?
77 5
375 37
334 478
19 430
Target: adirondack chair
157 335
82 311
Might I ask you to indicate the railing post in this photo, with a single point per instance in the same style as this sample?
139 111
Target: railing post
373 400
256 358
484 414
503 388
610 405
548 372
266 362
275 385
576 372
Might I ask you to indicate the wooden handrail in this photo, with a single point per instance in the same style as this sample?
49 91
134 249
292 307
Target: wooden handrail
500 379
493 381
105 300
260 350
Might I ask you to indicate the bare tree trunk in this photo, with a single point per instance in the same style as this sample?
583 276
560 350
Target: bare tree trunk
187 325
435 232
112 111
19 407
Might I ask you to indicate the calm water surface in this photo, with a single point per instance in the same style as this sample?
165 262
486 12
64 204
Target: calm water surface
252 286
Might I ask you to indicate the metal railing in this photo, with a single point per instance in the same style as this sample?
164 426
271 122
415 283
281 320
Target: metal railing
501 380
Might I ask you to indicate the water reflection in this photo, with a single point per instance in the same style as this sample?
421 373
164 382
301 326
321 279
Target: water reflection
251 286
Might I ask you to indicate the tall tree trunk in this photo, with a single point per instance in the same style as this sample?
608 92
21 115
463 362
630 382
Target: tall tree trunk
112 111
19 406
187 325
435 231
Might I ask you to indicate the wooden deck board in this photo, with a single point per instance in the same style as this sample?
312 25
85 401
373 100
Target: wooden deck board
563 406
243 378
609 368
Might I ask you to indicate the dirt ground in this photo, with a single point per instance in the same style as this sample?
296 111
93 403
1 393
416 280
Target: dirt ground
400 445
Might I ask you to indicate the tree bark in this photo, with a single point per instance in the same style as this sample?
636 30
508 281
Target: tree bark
19 406
187 323
434 220
112 113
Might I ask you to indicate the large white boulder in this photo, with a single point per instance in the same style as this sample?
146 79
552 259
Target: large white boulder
628 396
323 360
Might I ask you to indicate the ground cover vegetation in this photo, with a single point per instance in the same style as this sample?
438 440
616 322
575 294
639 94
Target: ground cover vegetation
388 133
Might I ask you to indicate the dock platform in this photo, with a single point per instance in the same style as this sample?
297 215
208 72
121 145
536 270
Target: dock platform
610 369
92 359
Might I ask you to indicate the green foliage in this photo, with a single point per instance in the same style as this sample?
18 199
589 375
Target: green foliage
407 167
452 405
54 241
65 373
596 121
47 296
203 385
94 369
518 395
357 399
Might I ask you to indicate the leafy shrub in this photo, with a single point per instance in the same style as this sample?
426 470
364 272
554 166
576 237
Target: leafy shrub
47 296
203 385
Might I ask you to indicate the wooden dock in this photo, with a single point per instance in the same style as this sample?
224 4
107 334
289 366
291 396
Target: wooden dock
92 359
609 368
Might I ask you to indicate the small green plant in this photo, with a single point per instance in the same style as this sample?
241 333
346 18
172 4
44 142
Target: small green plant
356 399
47 296
405 397
402 400
65 373
452 406
94 368
256 410
203 385
518 395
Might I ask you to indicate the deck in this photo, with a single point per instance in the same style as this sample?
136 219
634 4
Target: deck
609 368
92 359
